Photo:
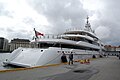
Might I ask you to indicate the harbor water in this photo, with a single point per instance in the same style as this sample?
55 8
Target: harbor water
3 57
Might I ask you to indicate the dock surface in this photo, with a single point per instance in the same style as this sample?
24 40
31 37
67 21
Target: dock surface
98 69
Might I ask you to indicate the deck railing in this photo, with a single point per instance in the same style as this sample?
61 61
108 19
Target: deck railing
50 36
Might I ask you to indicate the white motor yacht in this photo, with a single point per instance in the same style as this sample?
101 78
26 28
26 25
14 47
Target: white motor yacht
47 50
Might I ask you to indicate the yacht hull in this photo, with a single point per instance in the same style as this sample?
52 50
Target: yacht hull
31 57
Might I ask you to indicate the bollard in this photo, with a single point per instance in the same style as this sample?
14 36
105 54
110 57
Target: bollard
87 61
82 61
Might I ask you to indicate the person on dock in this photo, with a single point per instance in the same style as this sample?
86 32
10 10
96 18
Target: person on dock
70 58
63 57
119 55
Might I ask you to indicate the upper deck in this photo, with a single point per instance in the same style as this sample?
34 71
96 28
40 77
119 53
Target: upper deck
81 32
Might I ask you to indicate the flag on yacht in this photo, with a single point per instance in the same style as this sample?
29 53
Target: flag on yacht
38 33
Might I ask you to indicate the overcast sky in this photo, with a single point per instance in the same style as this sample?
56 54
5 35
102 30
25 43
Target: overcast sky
19 17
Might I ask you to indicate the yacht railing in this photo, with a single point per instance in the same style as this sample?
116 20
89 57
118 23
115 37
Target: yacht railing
50 36
74 29
60 36
78 29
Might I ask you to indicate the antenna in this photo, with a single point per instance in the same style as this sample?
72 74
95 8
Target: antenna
88 26
87 19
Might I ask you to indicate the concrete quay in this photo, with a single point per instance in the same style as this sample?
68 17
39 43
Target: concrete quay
98 69
109 69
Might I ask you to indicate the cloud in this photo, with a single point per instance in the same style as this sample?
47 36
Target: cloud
103 32
3 11
19 16
62 14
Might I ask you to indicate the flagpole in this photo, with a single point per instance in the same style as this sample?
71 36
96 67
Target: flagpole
35 33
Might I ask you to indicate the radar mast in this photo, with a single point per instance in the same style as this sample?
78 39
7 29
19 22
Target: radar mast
88 26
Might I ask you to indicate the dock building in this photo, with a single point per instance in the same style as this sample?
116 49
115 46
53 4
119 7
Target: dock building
3 44
15 43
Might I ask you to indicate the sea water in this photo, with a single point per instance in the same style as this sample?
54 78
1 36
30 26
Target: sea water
3 57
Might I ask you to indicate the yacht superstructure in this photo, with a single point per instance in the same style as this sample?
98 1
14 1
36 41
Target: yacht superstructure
48 50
